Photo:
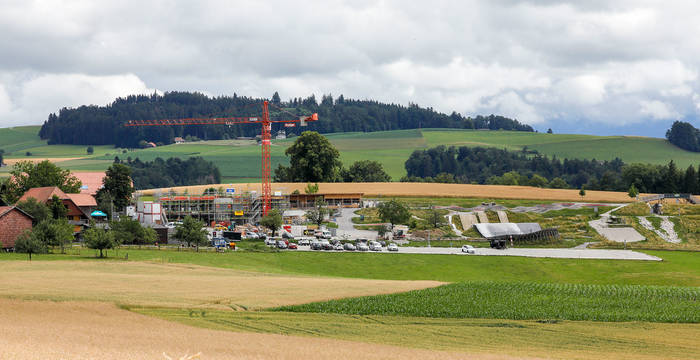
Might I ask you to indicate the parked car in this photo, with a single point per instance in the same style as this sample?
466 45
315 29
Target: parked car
292 246
375 246
338 246
392 247
468 249
287 235
251 235
270 242
326 245
349 247
362 247
281 244
323 234
304 241
316 245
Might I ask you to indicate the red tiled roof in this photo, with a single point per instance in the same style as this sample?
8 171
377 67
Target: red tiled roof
6 209
92 181
44 194
83 200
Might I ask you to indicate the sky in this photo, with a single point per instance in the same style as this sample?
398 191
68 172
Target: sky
596 67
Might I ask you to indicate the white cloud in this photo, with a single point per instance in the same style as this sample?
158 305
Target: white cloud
658 110
625 62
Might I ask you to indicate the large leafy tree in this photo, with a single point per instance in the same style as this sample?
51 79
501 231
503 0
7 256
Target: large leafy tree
53 232
99 239
129 231
27 175
35 209
312 158
191 232
366 171
29 244
117 183
394 212
272 221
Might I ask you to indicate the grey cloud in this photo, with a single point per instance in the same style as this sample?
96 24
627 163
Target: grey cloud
539 61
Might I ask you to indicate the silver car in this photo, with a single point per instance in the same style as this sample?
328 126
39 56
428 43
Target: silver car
349 247
468 249
392 247
362 247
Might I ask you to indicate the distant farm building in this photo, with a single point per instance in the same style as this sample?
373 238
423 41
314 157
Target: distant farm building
179 140
76 215
92 181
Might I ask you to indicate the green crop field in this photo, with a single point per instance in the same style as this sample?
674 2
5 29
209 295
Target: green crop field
622 309
239 161
526 301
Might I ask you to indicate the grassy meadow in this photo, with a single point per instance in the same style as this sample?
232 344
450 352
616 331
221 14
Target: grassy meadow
239 160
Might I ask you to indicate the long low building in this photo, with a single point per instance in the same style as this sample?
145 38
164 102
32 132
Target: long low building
303 201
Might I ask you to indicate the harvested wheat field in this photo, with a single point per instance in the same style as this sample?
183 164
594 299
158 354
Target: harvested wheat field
79 330
179 285
38 160
422 190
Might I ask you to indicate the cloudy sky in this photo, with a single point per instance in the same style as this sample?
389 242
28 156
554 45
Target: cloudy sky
606 67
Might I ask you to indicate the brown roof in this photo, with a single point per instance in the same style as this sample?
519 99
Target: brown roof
83 200
92 181
6 210
44 194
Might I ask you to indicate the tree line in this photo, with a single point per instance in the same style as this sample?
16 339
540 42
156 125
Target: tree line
105 123
481 165
161 173
684 135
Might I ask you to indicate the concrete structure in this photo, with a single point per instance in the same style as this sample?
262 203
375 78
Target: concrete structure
13 222
149 212
75 215
482 217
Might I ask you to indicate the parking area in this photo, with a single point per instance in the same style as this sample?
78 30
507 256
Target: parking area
538 253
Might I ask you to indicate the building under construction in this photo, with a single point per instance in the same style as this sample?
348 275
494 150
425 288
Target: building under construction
236 209
246 208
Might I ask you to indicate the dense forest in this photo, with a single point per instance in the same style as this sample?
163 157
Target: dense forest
684 135
502 167
172 172
101 125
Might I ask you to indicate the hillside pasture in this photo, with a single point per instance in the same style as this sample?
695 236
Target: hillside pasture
239 160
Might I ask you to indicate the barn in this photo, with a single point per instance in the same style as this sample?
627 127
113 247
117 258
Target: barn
13 222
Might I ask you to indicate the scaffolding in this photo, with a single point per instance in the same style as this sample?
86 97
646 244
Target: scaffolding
228 209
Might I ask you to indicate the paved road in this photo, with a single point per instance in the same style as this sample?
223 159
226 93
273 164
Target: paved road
346 226
617 234
540 253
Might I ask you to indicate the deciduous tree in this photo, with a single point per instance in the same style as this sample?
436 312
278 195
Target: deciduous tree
99 239
312 158
272 221
191 232
394 212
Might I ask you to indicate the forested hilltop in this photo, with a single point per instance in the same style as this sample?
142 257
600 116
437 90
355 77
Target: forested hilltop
102 125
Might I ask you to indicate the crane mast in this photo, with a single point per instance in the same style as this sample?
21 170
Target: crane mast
265 136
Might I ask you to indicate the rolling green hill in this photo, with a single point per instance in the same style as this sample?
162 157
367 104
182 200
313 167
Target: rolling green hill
239 161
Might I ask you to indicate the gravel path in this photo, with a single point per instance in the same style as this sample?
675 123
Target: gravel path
667 232
622 235
347 228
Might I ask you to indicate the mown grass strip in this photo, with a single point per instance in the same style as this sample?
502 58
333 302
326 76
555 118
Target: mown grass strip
526 301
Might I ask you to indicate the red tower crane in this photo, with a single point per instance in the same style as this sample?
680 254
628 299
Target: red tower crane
265 137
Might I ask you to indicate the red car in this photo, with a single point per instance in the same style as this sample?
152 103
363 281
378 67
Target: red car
292 246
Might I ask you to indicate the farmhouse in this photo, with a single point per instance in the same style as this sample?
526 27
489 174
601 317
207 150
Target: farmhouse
76 216
13 222
92 181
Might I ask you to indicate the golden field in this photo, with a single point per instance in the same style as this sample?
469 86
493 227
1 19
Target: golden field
390 189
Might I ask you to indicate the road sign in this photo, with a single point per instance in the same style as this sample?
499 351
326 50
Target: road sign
231 190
